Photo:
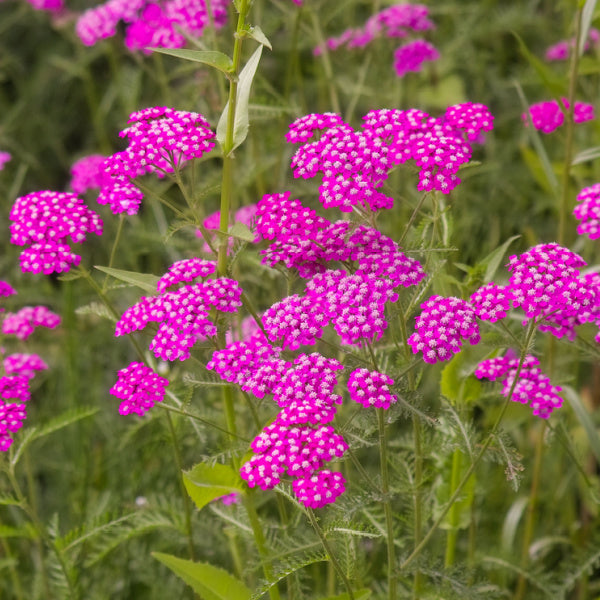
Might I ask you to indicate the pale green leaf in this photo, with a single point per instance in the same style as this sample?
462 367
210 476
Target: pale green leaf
256 33
587 154
242 232
458 383
96 308
212 58
144 281
584 418
205 483
210 583
587 15
493 259
241 123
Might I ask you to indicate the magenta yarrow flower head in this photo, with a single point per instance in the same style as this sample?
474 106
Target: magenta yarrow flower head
471 117
491 302
26 365
411 56
531 387
548 116
371 388
15 387
88 173
23 323
14 392
184 271
545 283
588 211
150 24
228 499
160 140
139 387
441 327
6 289
44 220
49 5
320 489
244 215
4 158
182 314
562 49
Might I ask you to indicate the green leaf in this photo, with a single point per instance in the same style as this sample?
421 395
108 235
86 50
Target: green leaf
584 418
144 281
358 595
212 58
70 276
492 261
555 85
210 583
206 482
458 383
242 232
256 33
5 500
587 15
241 123
96 308
587 154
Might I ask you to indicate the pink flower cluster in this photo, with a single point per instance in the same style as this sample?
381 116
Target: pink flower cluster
411 56
545 282
244 215
396 21
562 49
88 173
160 139
150 24
548 116
49 5
371 388
532 386
6 289
23 323
182 314
298 442
4 158
139 387
355 164
588 211
44 220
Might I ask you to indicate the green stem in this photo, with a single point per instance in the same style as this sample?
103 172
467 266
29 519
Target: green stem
569 125
531 510
16 581
387 506
261 544
452 532
186 497
113 250
334 561
479 456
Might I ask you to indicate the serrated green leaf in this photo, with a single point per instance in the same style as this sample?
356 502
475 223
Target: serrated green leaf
241 123
493 259
96 308
9 500
206 482
256 33
144 281
211 583
555 85
358 595
26 531
72 276
242 232
584 418
212 58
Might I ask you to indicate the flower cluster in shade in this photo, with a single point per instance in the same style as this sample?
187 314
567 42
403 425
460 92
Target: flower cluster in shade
160 139
24 322
545 283
354 164
150 24
18 368
561 50
549 115
47 222
587 211
48 5
244 215
409 58
4 158
529 385
88 174
139 387
182 314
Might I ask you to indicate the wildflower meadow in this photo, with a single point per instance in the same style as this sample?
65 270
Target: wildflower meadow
299 299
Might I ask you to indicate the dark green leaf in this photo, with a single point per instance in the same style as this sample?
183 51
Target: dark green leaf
212 58
142 280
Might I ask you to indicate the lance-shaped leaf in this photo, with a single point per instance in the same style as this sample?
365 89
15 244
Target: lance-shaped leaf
212 58
205 482
144 281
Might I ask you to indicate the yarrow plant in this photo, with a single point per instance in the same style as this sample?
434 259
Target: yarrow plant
549 115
